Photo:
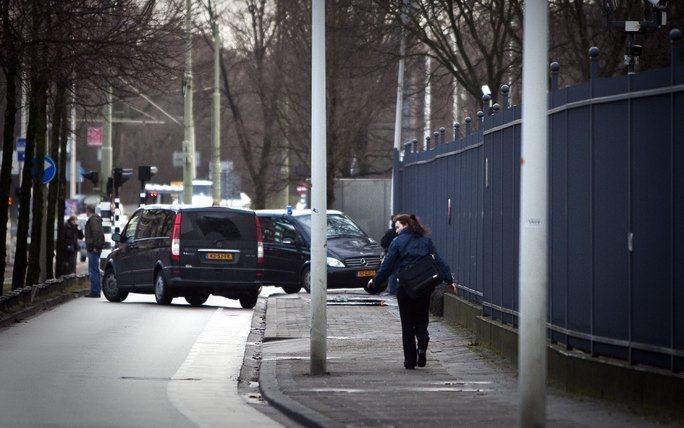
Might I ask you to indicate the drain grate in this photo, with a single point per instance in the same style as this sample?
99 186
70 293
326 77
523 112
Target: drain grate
354 301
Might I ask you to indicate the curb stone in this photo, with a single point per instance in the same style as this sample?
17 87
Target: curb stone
41 307
270 389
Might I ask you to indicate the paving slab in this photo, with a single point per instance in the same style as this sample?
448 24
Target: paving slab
367 385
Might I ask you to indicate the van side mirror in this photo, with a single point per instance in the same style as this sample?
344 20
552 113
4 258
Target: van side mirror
116 237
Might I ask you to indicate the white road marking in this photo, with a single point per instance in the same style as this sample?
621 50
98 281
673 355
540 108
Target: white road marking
204 388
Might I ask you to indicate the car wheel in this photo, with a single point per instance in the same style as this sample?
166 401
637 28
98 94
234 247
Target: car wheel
110 288
306 279
292 289
161 290
248 302
197 299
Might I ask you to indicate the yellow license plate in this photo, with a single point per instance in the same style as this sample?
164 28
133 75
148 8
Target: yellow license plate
365 273
220 256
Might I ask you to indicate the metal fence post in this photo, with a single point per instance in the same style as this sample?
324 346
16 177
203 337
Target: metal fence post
675 52
442 135
426 147
468 121
555 67
504 96
435 140
414 146
593 63
456 132
496 107
486 98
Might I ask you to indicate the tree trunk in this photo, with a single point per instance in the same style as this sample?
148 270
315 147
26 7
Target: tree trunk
20 257
11 73
51 213
7 150
61 190
38 203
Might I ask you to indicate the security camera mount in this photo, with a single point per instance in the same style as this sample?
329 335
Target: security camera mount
655 16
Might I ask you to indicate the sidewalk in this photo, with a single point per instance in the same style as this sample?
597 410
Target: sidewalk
367 385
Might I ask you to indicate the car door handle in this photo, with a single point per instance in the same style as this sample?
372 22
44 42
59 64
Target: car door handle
132 246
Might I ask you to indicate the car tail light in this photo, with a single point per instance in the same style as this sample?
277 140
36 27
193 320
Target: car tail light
175 238
260 242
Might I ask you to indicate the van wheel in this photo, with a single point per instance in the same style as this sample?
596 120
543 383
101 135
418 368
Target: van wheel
248 302
306 279
292 289
161 290
197 299
110 288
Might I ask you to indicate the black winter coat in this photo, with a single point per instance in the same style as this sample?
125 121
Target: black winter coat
71 236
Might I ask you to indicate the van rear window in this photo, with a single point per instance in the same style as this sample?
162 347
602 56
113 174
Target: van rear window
217 226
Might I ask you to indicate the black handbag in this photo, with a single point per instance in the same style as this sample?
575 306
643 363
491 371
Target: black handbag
420 277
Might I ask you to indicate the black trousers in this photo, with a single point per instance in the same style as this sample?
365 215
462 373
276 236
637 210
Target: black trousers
415 316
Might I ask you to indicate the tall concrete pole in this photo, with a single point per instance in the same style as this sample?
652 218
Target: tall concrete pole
106 150
533 265
73 174
319 218
216 121
427 103
398 112
188 124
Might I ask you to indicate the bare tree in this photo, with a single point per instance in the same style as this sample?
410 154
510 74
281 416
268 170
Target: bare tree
97 44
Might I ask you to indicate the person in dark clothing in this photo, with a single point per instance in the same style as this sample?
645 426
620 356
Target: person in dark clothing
70 246
385 242
94 237
410 245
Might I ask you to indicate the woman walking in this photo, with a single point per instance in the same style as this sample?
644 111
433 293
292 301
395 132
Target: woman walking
70 246
410 245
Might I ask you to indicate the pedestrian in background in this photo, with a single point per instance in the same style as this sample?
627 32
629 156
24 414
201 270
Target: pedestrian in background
385 242
410 245
94 237
70 246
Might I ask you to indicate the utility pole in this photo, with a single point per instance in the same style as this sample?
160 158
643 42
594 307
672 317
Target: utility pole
533 264
319 218
72 152
398 113
216 120
106 150
189 127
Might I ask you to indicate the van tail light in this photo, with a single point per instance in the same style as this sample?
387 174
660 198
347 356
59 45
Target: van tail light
175 238
260 242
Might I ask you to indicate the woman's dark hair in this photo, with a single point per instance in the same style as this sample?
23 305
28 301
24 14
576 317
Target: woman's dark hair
413 224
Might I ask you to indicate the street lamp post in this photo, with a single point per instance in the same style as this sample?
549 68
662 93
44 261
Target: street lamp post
216 120
319 252
533 263
188 125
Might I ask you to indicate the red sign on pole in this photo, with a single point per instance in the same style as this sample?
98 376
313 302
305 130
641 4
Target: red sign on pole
95 136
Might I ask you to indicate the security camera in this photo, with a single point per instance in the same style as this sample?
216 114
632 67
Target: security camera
660 4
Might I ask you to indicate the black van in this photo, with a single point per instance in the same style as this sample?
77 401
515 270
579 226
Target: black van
353 257
173 251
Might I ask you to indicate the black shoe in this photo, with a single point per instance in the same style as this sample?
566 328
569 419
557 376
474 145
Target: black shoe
422 357
409 366
92 295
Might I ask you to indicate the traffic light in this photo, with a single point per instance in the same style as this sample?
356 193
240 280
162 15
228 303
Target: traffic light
145 172
121 175
151 197
91 176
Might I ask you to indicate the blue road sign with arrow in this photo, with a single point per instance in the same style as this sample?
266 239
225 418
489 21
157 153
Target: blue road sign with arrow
49 169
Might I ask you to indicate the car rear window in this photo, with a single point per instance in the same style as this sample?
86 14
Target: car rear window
216 226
